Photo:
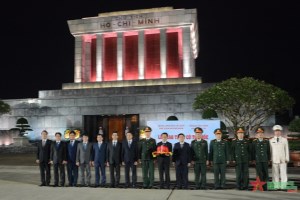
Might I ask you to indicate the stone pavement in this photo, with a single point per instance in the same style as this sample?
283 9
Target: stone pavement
20 179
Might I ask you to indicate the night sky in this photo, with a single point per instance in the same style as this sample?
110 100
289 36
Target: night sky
237 39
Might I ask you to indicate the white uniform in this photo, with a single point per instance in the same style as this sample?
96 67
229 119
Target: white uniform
280 157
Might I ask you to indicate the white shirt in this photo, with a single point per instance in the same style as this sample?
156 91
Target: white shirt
279 150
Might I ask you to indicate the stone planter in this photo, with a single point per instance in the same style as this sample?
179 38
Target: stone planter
295 158
20 141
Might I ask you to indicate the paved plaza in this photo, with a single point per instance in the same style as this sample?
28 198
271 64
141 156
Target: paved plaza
19 179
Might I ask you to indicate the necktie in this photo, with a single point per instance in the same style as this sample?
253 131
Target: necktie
57 144
99 145
72 143
277 139
84 146
43 142
114 144
129 144
181 145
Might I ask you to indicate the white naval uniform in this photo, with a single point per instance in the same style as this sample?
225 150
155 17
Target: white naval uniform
280 157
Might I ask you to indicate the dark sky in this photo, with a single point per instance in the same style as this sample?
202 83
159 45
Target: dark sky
237 38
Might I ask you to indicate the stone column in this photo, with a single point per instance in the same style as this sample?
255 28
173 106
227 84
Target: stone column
87 60
163 53
78 59
99 53
141 54
120 56
188 60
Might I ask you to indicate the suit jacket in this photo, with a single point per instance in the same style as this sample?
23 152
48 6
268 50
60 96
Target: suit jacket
129 155
99 155
181 155
113 154
84 156
43 153
71 151
279 150
58 153
168 144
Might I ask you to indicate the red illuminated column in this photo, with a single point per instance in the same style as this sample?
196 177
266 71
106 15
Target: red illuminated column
163 54
188 60
120 56
141 54
99 62
78 59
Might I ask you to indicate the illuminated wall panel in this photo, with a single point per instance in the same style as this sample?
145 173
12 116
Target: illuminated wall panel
131 56
152 54
110 57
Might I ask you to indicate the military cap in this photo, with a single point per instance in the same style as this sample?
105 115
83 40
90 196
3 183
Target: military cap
198 130
217 131
260 130
240 130
277 128
147 129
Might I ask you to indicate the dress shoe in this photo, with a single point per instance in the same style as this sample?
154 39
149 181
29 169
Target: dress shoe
161 187
133 186
150 187
42 184
55 185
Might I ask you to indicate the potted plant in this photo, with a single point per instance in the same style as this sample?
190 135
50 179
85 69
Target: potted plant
294 141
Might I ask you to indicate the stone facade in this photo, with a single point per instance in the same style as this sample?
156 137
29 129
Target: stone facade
57 110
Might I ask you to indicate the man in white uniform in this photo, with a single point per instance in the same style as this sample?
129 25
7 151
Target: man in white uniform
280 157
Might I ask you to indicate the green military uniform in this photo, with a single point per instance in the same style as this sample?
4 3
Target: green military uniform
241 154
261 155
146 147
219 155
200 156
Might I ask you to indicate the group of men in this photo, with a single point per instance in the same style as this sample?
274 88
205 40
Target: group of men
241 151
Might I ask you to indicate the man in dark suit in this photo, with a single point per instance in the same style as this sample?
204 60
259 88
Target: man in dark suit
84 160
43 158
164 150
114 160
99 160
182 160
146 147
130 159
58 157
72 168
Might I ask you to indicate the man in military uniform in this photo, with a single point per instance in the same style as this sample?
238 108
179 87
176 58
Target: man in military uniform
146 147
241 155
199 150
219 157
261 156
279 148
